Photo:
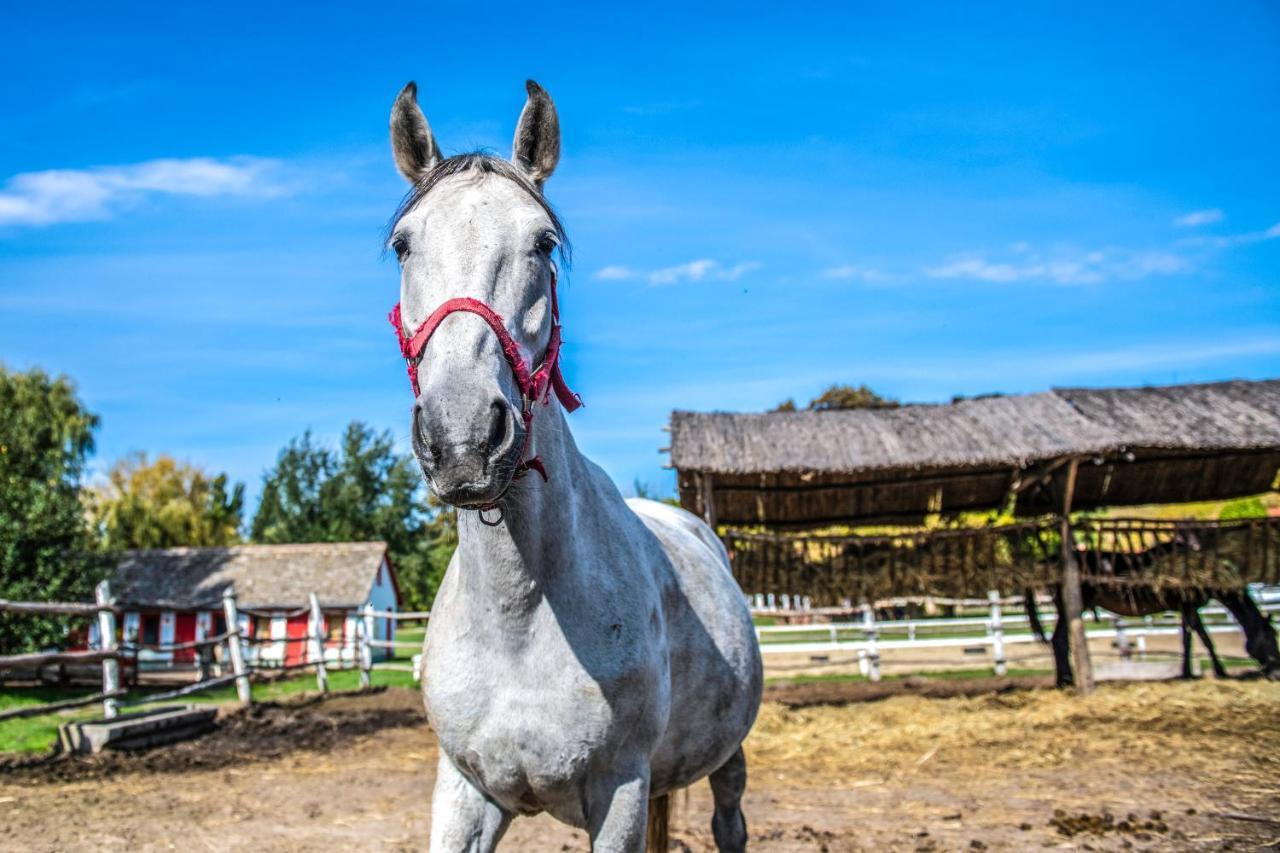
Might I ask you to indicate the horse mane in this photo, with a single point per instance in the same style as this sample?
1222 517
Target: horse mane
481 163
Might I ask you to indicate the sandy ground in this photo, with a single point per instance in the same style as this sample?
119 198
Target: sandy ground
994 765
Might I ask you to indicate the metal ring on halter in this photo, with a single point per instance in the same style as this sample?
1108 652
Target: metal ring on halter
486 522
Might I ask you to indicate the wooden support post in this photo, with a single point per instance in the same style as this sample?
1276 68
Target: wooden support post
873 645
707 500
1072 599
235 646
315 644
107 643
997 633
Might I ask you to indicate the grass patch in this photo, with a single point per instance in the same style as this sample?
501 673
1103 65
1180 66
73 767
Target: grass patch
38 734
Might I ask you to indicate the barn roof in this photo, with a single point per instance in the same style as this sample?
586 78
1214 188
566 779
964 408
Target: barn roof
1152 445
340 574
1211 416
990 431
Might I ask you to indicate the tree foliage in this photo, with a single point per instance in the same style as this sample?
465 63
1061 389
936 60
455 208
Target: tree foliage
163 503
842 397
362 491
46 550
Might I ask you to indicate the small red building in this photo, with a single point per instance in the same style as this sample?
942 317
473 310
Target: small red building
174 595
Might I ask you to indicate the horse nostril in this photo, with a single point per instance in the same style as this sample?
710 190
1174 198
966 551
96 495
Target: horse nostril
435 452
497 426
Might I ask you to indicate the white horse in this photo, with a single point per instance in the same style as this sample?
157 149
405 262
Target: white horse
586 655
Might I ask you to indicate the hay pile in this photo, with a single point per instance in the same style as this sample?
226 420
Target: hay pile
1226 729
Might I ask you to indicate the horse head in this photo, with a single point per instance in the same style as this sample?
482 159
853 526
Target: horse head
477 316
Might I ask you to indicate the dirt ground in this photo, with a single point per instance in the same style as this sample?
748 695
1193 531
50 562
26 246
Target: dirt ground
995 764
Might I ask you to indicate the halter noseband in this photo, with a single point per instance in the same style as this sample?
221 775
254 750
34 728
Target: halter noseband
535 385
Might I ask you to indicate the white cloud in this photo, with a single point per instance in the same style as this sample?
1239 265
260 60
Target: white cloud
849 271
1237 239
1093 267
702 269
614 273
690 271
78 195
1199 217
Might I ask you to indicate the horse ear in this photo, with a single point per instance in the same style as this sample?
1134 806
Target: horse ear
412 144
537 144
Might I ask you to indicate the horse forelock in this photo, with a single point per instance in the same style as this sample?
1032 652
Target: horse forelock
479 164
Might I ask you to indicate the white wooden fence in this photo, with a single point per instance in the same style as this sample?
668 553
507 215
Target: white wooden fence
868 638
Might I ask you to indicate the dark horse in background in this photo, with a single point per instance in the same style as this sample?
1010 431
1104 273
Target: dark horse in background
1138 600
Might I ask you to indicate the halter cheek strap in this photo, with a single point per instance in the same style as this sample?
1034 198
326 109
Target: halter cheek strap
535 385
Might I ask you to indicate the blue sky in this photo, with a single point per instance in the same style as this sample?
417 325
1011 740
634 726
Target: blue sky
933 199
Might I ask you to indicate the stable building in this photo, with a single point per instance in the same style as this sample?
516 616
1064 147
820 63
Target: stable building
174 595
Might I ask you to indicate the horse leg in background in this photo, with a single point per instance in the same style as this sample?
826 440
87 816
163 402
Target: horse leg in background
1259 634
1193 617
1187 646
729 826
1061 646
463 820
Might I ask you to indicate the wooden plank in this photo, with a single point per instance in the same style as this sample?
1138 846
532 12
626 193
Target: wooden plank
53 608
45 658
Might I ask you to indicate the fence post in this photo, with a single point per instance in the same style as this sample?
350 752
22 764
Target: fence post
107 641
370 634
235 645
315 644
873 647
363 658
1122 640
997 633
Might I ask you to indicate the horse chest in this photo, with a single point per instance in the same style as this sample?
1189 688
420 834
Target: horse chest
526 725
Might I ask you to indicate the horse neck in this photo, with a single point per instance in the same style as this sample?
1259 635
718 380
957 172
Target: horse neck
512 561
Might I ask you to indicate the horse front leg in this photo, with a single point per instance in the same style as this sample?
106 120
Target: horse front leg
618 813
463 819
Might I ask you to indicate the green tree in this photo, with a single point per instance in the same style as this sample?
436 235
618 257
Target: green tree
160 504
46 549
364 490
842 397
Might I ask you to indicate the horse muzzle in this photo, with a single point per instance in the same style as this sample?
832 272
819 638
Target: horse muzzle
469 471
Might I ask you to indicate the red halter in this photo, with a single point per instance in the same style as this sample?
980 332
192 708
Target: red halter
534 385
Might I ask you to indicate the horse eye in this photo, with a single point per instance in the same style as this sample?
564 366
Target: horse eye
401 247
546 244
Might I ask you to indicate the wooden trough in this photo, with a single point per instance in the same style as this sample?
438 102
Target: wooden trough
145 729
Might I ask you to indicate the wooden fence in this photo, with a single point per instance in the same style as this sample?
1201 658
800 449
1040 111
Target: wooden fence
111 653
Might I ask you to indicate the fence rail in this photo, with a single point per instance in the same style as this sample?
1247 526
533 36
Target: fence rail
868 637
233 639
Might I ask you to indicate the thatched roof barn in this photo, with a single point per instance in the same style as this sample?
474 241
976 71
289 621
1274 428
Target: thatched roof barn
1148 445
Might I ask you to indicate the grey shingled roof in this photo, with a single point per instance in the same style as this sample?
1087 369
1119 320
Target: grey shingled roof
340 574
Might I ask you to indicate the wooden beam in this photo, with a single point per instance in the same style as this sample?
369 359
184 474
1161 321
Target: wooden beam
1072 600
707 499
